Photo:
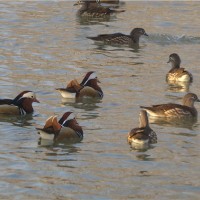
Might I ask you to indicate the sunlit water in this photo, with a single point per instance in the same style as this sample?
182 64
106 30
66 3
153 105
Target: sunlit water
43 45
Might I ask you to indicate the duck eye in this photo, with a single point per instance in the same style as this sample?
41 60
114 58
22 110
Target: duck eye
32 96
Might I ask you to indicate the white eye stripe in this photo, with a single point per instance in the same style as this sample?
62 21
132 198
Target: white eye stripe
71 116
28 95
92 76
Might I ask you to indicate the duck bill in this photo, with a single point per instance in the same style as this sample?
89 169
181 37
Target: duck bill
35 100
198 100
146 34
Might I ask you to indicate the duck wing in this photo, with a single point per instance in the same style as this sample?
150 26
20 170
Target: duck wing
107 37
168 110
88 92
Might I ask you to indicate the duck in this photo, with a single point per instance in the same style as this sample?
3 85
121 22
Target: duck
87 88
120 38
172 110
92 8
64 130
177 73
143 135
20 105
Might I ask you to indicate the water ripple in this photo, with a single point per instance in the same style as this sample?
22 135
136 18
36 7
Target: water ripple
165 39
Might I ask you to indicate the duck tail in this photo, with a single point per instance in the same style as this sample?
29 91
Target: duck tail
117 11
93 38
75 85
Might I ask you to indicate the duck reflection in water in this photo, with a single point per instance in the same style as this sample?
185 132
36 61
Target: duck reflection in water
83 104
178 86
178 122
20 121
58 148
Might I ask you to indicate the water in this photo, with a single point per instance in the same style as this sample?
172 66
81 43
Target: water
43 45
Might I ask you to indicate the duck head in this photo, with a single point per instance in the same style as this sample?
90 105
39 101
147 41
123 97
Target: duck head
137 32
174 60
24 100
189 99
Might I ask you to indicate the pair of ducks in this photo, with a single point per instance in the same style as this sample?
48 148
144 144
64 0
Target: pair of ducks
93 9
142 136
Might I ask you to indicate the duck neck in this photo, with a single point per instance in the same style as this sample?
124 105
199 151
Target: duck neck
143 123
188 102
73 124
174 66
26 105
135 38
93 83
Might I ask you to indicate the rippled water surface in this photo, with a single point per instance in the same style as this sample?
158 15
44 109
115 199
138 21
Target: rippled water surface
43 45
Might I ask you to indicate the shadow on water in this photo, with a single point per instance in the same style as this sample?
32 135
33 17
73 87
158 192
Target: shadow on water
178 86
118 47
104 48
137 148
60 153
87 104
21 121
51 144
171 122
143 156
94 21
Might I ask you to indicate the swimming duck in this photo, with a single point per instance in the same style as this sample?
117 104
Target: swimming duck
120 38
20 105
87 88
142 136
176 73
175 110
64 130
91 8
